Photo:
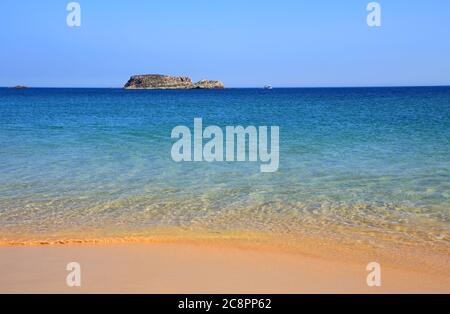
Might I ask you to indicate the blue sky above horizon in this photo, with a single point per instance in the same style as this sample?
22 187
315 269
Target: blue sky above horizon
290 43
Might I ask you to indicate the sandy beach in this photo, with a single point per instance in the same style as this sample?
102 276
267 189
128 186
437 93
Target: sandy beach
209 266
225 147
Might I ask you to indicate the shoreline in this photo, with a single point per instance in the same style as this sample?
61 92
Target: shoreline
255 264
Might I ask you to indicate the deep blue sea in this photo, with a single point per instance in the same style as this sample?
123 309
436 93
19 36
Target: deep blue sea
362 161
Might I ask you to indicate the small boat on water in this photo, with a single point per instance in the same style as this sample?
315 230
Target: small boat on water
268 87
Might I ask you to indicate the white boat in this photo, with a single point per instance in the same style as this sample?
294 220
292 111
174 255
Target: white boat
268 87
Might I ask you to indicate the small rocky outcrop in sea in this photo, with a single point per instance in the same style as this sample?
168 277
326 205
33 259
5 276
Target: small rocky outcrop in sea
158 81
209 84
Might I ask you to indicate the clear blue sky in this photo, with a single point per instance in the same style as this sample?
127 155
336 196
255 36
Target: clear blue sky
243 43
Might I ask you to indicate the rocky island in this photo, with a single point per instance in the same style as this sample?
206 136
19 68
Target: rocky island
209 84
158 81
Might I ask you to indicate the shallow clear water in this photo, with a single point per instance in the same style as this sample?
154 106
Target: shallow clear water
375 161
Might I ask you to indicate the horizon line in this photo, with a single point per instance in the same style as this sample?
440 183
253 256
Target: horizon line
242 87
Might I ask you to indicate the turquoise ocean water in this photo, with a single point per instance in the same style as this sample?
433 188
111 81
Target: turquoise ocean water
365 161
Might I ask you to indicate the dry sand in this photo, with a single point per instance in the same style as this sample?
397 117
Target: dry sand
207 267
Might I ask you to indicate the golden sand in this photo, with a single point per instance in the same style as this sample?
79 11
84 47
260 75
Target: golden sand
240 262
